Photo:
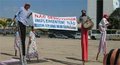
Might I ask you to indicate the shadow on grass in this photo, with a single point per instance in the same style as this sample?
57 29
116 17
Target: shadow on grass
7 54
63 62
72 58
18 62
36 61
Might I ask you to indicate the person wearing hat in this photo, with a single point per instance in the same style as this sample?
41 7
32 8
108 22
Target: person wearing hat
84 37
103 27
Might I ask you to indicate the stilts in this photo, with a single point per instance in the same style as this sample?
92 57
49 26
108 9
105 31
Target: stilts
22 57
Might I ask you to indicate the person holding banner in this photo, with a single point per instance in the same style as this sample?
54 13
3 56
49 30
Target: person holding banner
84 37
22 17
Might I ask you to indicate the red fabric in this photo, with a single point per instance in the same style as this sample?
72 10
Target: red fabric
84 43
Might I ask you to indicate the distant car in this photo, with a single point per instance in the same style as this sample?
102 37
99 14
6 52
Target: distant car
54 35
69 35
1 31
77 36
37 35
63 36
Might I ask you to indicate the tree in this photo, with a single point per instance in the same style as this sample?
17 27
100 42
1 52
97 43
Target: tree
9 21
4 24
114 19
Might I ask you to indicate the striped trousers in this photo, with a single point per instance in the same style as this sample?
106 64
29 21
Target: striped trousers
102 43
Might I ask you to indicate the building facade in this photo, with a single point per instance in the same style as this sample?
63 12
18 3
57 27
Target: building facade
96 9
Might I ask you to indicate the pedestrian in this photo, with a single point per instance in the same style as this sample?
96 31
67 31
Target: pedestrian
22 17
17 42
84 37
103 27
32 47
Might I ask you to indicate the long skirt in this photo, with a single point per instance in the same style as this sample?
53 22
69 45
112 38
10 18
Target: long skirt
32 51
102 44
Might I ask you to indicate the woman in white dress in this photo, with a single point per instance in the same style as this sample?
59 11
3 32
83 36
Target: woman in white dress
17 42
102 44
32 48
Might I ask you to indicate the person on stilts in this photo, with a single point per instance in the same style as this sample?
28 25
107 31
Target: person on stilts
103 27
22 17
84 37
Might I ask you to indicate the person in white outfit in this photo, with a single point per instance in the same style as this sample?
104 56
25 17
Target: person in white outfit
17 42
103 27
32 48
22 17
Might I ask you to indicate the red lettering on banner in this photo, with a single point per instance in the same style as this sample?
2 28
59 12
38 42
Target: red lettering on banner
50 17
60 18
40 16
54 18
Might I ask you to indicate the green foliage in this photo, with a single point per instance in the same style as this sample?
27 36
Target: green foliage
3 23
114 19
6 22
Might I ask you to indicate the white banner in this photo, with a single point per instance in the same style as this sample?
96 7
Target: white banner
41 21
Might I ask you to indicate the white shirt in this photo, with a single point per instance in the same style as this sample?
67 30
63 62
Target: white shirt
32 47
22 15
32 35
17 40
103 24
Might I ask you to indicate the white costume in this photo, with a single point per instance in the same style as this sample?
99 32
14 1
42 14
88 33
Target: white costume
17 41
103 27
32 48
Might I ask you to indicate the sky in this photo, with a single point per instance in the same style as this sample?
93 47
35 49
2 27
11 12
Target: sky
59 8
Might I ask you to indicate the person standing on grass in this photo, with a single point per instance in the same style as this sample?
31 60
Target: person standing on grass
103 27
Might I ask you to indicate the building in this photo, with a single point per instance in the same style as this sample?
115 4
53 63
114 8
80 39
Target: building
96 9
